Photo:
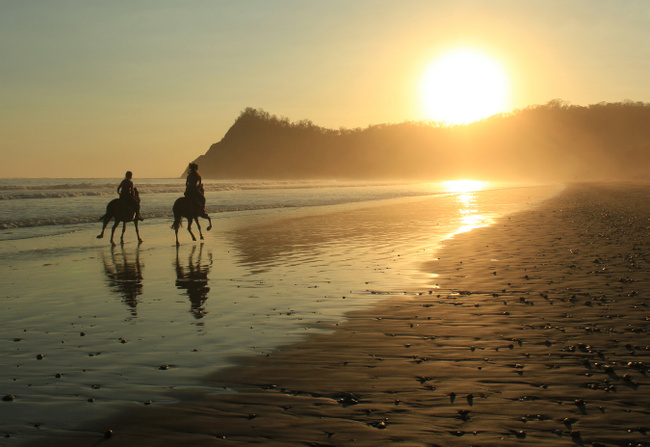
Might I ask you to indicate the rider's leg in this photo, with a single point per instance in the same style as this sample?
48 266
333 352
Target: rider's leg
201 200
136 207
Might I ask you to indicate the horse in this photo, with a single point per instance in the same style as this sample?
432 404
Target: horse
186 207
119 210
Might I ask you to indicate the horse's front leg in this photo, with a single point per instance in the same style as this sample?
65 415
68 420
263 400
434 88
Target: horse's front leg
123 230
196 219
205 215
113 232
137 231
189 228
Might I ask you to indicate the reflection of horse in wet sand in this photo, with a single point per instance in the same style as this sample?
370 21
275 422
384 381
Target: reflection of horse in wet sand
124 276
185 207
119 210
193 278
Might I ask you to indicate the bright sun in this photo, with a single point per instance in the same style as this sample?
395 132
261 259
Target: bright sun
462 86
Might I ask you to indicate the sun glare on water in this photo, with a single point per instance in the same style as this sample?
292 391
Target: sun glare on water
462 86
464 185
468 204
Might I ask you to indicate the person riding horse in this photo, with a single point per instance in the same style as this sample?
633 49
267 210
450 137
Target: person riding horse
124 209
128 192
192 206
194 186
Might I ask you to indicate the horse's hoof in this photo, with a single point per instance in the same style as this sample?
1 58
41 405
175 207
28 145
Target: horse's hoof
209 228
99 236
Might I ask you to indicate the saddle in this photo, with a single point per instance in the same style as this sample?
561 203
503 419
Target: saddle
197 196
132 203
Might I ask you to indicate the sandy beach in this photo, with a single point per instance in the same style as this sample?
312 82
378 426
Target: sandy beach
535 334
325 224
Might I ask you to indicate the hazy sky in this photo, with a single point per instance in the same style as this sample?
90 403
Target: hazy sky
93 88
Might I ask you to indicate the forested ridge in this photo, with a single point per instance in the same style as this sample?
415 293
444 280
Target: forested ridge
555 141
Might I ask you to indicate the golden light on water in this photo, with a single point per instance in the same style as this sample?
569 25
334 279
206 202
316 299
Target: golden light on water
470 218
464 185
464 85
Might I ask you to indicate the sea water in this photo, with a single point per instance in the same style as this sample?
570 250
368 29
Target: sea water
52 206
89 330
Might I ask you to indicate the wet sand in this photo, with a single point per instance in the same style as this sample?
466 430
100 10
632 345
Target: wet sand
537 334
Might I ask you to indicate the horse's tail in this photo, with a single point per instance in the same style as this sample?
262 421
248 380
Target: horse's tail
109 214
178 218
111 211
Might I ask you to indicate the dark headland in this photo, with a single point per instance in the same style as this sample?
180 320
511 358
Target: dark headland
553 142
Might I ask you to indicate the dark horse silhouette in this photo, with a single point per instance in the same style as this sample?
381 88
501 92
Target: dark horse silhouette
185 207
120 211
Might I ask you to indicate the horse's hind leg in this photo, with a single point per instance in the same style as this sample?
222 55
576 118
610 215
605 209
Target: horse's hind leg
113 232
105 221
137 231
189 228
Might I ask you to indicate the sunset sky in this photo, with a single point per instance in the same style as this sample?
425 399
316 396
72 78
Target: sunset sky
95 88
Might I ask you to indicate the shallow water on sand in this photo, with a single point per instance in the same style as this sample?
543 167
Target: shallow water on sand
89 330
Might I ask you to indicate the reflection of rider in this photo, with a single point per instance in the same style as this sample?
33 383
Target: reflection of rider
193 278
194 186
124 276
127 193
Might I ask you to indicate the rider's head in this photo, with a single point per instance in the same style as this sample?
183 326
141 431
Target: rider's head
193 167
128 175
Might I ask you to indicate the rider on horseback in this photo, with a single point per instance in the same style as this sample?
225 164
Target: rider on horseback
128 194
192 206
194 187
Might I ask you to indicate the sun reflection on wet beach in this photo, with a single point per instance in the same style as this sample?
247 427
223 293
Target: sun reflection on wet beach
464 186
466 198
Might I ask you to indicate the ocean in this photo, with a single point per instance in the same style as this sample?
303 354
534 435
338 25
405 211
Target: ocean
91 330
42 207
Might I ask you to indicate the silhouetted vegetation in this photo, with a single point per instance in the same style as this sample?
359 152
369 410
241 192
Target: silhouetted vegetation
555 141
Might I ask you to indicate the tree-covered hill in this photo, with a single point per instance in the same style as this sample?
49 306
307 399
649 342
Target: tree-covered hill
550 142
